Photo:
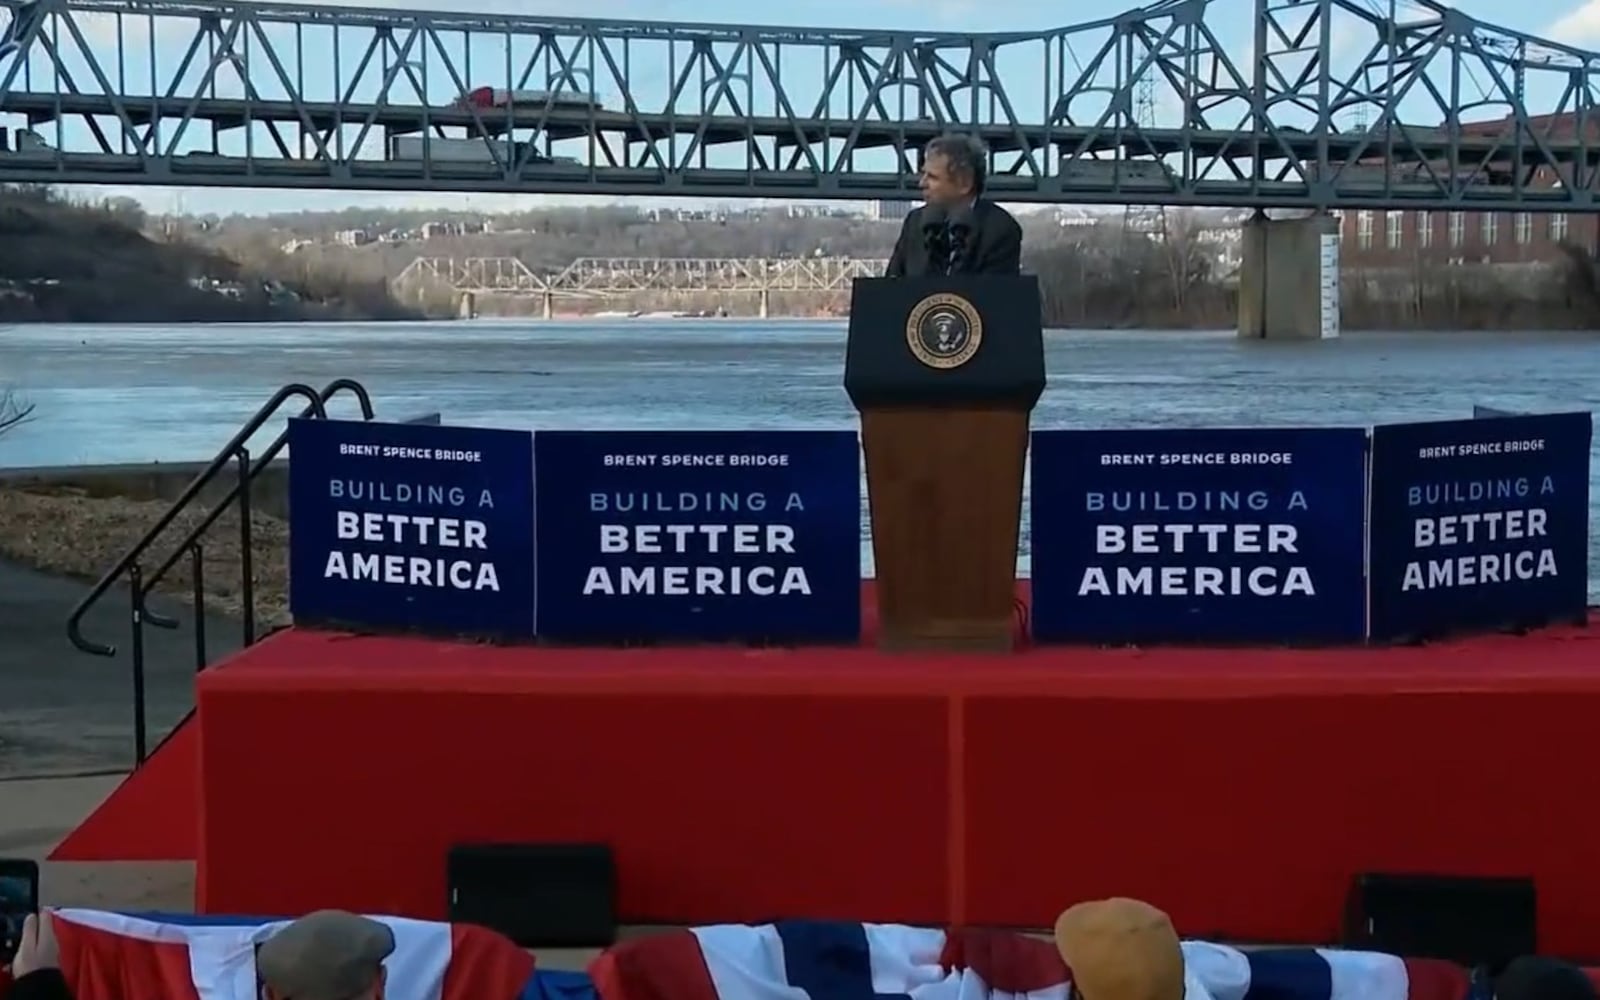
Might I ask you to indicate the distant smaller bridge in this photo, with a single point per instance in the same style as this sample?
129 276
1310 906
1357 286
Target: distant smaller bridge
613 277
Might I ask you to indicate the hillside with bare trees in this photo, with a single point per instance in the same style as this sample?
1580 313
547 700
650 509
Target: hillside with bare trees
66 260
70 261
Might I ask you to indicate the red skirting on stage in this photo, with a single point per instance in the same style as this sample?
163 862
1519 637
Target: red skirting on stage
1238 789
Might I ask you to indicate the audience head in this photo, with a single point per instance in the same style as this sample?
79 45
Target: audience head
327 955
1536 978
1121 949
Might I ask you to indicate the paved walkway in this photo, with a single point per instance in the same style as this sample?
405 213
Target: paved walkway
35 814
66 712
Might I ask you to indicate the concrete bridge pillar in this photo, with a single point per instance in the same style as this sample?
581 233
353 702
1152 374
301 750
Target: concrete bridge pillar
1289 279
549 305
765 304
467 308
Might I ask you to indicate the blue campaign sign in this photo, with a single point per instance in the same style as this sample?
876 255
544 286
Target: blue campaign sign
1479 524
406 526
699 535
1199 535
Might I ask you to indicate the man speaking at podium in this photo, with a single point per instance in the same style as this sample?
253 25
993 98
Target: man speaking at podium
957 231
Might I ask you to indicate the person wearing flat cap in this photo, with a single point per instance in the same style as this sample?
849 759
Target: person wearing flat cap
1121 949
327 955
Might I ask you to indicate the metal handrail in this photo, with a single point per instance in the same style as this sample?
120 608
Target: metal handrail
242 495
129 560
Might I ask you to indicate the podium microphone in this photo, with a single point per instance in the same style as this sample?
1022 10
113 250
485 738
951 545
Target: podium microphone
935 234
959 223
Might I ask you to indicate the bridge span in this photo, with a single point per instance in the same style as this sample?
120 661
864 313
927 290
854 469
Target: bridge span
614 277
1312 104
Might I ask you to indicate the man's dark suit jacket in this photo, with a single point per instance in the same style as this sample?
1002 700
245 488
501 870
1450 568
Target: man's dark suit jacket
995 246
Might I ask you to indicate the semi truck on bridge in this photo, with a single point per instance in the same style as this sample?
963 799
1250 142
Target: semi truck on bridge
445 150
490 97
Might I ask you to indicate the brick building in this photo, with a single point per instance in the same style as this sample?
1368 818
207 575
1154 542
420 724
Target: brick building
1379 238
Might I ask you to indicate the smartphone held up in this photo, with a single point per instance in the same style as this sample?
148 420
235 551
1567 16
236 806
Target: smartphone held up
19 899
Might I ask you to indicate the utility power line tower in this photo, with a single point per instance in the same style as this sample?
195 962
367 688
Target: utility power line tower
1144 222
1150 224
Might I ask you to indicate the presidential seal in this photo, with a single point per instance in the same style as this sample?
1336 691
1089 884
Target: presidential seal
944 331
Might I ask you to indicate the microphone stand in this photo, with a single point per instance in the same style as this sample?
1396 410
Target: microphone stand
935 237
958 248
960 226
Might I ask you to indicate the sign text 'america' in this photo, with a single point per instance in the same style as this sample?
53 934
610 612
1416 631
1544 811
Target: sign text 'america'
1228 534
699 534
1197 538
411 526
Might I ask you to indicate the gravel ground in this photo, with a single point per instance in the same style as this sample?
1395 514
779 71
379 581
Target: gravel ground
68 533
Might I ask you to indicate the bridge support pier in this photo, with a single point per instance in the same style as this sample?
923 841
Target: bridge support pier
467 308
549 305
1289 279
765 303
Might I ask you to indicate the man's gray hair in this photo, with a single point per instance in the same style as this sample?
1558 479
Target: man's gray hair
966 154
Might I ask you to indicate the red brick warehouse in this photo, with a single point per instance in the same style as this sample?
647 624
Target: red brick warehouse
1379 238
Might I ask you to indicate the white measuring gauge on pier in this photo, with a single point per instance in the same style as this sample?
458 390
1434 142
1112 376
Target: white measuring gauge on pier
1328 279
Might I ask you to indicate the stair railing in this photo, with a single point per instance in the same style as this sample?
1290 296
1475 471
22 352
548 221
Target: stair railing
241 493
234 453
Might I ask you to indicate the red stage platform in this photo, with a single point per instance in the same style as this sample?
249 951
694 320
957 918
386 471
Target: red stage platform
1240 790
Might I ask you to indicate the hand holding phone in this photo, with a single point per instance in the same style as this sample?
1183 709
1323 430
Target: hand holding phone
36 946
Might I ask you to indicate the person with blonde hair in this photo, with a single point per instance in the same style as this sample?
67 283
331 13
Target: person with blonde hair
1123 949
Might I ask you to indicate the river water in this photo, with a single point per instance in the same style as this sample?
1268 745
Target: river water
141 394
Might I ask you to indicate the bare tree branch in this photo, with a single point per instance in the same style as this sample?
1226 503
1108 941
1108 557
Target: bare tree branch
14 411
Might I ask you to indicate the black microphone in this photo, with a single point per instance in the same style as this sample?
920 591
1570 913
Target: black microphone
936 234
959 222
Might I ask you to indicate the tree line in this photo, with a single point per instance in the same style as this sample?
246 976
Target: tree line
1104 279
1097 275
109 260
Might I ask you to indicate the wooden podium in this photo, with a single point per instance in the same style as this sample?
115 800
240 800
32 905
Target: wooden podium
945 372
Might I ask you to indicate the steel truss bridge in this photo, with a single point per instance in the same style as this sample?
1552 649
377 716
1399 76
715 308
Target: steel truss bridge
606 277
1310 104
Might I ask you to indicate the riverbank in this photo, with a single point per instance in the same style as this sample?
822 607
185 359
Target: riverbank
68 261
67 532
